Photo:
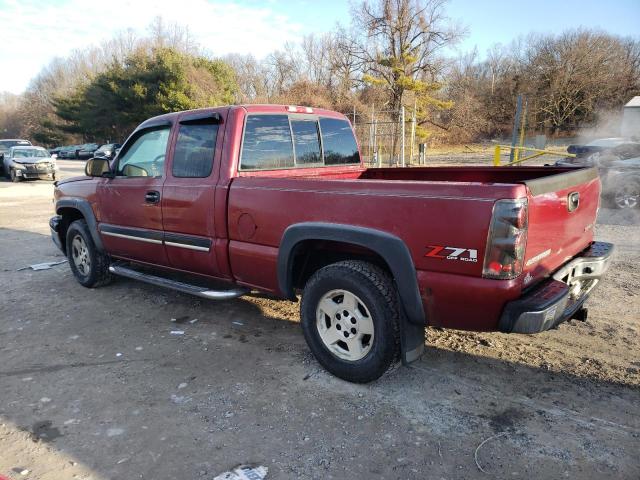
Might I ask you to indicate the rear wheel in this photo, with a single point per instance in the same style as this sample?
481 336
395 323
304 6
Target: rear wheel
89 266
350 320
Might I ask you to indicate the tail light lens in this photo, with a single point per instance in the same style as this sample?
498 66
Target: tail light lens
507 240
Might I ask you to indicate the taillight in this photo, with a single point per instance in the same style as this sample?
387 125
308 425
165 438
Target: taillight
507 240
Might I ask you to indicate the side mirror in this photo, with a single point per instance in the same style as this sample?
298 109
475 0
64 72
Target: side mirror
96 167
54 156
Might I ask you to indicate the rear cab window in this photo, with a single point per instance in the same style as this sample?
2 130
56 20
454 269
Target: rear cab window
340 147
281 141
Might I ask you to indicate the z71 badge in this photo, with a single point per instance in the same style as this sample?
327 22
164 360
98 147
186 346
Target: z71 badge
452 253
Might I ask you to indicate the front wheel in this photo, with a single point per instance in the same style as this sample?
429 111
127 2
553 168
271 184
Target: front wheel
89 266
14 178
350 320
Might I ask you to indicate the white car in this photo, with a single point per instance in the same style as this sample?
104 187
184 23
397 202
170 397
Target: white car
22 163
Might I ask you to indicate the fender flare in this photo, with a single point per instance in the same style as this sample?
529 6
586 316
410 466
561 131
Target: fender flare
391 248
84 207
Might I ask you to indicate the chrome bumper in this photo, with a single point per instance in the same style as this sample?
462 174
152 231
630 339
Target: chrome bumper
561 297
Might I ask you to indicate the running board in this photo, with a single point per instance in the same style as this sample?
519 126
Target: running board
179 286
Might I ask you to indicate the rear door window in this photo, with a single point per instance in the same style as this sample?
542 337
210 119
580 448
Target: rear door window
267 143
195 147
339 144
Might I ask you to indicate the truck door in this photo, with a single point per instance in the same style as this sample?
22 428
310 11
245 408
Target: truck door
188 201
130 204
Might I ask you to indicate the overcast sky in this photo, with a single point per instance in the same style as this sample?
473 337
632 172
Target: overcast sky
35 31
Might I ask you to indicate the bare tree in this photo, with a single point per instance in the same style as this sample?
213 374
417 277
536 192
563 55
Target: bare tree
401 43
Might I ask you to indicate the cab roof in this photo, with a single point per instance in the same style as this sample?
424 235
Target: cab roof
249 108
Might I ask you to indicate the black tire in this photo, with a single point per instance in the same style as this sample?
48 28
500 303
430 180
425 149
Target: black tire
96 272
376 290
14 178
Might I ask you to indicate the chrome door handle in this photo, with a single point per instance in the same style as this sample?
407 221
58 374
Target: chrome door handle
152 197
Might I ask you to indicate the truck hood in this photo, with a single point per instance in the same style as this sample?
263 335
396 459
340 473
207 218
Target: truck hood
73 179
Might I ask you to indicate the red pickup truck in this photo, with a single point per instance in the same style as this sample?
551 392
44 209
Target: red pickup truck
218 202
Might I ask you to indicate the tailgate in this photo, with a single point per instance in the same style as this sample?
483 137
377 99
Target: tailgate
562 216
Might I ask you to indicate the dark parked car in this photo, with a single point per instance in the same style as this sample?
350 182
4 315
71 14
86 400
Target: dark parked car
618 145
107 150
621 183
68 151
618 163
87 151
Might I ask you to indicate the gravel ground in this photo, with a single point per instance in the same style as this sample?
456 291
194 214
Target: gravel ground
94 385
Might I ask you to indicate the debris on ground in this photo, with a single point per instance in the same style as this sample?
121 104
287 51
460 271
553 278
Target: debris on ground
182 319
180 399
42 266
244 472
475 454
238 323
177 332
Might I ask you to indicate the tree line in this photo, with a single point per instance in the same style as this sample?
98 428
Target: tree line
394 53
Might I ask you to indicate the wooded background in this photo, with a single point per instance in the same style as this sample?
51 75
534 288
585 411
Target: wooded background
393 53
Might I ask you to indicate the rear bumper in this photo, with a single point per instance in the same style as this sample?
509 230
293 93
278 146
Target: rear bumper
561 296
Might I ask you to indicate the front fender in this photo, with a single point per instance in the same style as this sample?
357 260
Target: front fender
84 207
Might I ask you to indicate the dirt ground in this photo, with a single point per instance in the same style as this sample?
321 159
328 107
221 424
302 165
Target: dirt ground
94 385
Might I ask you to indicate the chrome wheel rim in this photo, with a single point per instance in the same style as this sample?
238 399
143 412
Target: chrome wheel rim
345 325
80 255
627 196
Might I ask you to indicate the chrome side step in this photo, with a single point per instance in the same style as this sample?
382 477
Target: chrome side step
179 286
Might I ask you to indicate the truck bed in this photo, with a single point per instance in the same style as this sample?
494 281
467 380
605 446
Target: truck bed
486 175
424 207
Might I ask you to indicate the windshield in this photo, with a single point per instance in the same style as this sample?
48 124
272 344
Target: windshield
30 153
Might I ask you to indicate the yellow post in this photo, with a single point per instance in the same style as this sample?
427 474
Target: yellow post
496 156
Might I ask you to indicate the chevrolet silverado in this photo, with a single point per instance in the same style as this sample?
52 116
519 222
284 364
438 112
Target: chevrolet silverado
218 202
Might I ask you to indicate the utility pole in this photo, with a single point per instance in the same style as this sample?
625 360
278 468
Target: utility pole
516 126
375 144
402 130
372 150
413 131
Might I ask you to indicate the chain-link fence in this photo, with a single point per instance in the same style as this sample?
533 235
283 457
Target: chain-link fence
388 138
